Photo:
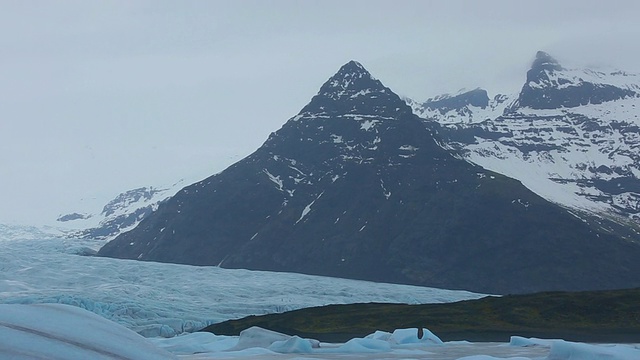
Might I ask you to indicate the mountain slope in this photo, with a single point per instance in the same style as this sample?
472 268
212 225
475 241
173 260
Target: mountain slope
356 186
551 86
571 135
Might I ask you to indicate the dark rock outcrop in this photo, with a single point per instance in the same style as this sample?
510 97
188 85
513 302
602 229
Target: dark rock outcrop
550 86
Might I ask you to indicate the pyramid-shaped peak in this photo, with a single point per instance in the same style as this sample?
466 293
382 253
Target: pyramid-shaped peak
353 66
545 61
352 77
353 90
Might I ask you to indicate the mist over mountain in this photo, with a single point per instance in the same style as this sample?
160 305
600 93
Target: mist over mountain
570 135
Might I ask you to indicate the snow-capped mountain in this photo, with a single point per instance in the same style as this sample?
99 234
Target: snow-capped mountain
551 86
463 107
120 214
570 135
358 186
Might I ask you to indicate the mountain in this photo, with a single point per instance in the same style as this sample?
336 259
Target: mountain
570 135
550 86
94 222
357 186
464 107
119 215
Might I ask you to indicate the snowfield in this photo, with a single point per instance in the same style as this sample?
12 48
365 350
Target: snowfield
56 304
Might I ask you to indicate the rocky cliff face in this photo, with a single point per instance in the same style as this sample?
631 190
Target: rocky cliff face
357 186
550 86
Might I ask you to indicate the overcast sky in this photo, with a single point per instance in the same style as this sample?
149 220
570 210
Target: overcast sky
98 97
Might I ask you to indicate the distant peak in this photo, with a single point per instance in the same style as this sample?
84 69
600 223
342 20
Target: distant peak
550 86
545 61
467 92
542 67
477 97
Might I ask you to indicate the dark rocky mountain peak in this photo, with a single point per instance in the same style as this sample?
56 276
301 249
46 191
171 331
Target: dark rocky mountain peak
351 79
545 61
352 90
551 86
543 68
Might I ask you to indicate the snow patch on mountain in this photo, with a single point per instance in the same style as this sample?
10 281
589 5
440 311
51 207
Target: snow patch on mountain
121 214
567 78
585 157
458 108
571 135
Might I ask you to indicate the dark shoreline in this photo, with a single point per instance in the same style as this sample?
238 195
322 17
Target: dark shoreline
593 317
497 336
491 336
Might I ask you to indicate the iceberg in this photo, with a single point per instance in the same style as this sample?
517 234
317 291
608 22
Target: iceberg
56 331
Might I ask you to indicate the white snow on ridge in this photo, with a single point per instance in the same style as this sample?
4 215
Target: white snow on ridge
533 174
108 219
622 110
557 153
566 78
467 115
96 215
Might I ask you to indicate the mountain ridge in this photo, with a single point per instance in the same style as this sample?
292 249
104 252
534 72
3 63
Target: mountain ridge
582 156
551 86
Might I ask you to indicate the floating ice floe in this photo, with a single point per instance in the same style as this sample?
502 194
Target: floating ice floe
54 331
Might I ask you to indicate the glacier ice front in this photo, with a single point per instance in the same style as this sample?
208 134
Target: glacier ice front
156 299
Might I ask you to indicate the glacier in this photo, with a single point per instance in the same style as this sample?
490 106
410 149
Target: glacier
56 304
158 299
